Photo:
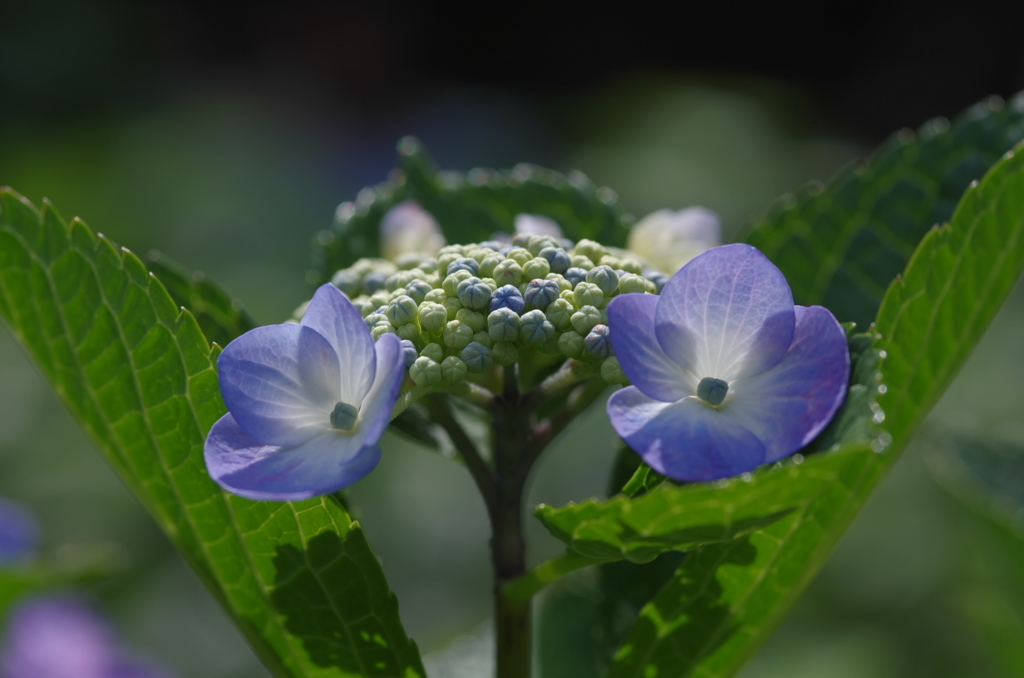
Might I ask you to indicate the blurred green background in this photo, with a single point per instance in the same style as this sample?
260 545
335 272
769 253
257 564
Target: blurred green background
226 138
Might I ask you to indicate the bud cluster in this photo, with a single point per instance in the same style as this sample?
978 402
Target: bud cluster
474 306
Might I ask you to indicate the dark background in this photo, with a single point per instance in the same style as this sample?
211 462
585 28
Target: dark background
225 135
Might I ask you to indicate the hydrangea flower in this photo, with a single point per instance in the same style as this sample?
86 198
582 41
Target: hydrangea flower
62 637
727 372
407 227
668 239
307 403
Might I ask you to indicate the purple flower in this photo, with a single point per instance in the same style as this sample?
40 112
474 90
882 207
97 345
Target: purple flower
727 373
307 403
62 637
19 533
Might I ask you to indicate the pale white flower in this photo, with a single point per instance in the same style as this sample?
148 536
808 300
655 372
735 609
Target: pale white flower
535 224
407 227
667 239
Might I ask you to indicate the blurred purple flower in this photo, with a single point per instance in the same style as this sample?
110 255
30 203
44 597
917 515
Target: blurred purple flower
62 637
407 227
19 533
728 374
307 403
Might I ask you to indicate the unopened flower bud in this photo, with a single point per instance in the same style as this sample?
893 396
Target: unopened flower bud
520 255
409 353
503 324
476 320
597 342
507 296
575 275
504 353
425 372
588 294
536 268
457 335
436 295
508 272
348 281
410 332
381 329
571 344
375 281
483 338
590 249
453 370
474 294
402 311
418 290
453 305
464 264
611 371
434 351
432 316
605 278
451 282
585 319
632 284
559 313
476 357
540 293
535 328
557 258
489 263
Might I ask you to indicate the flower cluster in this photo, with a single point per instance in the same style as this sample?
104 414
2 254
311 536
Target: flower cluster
477 305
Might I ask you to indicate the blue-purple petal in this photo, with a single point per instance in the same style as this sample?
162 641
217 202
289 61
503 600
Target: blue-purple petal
727 314
280 382
789 405
375 412
332 315
631 322
321 465
686 440
19 533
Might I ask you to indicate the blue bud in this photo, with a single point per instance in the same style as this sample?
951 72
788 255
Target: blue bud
558 259
575 275
375 281
597 342
418 290
659 279
492 245
508 297
474 293
477 357
540 293
464 264
348 281
409 353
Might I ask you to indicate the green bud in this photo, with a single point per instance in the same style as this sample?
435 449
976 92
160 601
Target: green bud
474 293
425 372
632 284
568 296
605 278
428 266
630 266
590 249
611 371
406 261
588 294
362 304
535 328
376 319
399 280
402 311
508 272
536 268
348 281
504 353
436 296
489 263
474 319
453 370
452 305
559 313
451 282
381 298
457 335
418 290
483 338
584 319
503 324
520 255
571 344
380 330
432 316
434 351
410 332
563 284
447 259
580 261
476 357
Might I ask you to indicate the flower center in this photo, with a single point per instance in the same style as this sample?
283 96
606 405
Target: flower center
712 391
344 417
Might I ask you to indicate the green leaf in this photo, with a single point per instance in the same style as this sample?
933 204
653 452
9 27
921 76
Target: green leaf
470 207
841 245
725 599
299 579
220 317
